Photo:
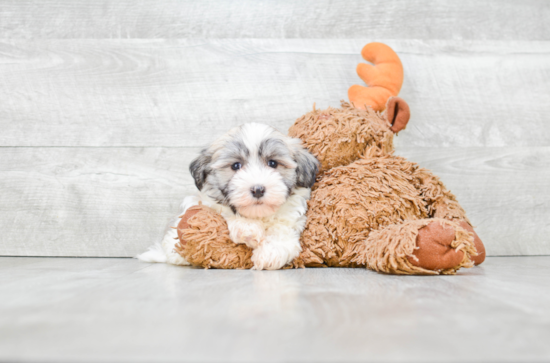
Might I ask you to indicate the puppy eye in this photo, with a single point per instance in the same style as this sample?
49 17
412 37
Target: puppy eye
236 166
272 164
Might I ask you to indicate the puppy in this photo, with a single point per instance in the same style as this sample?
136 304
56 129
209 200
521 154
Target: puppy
259 180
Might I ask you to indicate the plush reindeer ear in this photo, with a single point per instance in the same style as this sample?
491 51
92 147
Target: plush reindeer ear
398 113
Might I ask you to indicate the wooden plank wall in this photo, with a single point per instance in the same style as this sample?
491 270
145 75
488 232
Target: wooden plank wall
104 103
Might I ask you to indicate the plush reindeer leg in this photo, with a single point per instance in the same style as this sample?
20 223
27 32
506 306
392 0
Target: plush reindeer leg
417 247
204 241
443 204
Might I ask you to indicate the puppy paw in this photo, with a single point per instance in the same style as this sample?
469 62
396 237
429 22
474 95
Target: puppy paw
250 233
273 255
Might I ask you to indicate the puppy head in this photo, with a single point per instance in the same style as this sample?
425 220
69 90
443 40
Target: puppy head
253 169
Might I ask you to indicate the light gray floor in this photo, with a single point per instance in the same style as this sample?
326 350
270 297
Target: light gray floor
80 309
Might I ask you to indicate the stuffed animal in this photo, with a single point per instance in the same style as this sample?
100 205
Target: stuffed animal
369 208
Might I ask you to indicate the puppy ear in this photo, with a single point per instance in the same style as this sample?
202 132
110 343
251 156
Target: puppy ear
307 169
200 167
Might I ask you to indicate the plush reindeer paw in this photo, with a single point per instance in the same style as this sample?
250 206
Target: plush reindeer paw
436 247
183 224
480 248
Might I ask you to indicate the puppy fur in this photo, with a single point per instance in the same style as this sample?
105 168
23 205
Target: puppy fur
259 180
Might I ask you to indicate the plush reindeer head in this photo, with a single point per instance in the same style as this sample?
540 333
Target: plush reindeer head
339 136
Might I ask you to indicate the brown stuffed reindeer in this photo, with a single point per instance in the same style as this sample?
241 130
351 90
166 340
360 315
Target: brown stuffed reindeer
369 208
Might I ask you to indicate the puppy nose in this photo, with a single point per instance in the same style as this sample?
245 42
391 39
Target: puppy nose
258 191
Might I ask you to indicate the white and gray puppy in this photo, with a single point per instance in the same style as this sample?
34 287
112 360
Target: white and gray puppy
259 180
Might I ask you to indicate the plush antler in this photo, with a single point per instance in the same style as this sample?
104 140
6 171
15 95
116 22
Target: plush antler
384 78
